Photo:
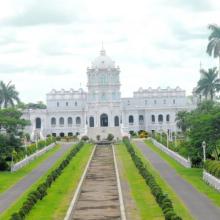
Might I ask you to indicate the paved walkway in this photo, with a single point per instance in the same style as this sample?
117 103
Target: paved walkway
11 195
198 204
98 198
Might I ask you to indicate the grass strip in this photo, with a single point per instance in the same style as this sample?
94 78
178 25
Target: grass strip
8 179
146 206
162 198
192 175
61 192
41 191
18 203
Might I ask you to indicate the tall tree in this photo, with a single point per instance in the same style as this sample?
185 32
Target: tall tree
213 48
181 120
8 95
209 83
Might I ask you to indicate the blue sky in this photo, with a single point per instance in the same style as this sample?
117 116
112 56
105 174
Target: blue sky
46 44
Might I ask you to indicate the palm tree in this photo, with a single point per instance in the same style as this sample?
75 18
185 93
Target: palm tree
209 83
213 47
8 95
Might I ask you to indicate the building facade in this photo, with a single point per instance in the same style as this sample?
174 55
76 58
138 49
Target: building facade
101 110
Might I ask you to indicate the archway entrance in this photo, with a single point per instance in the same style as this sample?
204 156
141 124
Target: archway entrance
104 120
38 123
91 122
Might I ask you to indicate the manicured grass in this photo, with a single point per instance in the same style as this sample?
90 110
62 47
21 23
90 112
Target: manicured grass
178 204
192 175
18 203
147 207
8 179
61 192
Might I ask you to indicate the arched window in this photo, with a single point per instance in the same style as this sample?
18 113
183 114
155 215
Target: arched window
62 134
78 120
70 121
131 119
91 122
141 119
53 121
38 123
104 120
153 118
61 121
160 118
116 121
168 118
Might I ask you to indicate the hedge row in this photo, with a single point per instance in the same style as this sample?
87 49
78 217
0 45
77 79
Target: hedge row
41 190
162 199
213 167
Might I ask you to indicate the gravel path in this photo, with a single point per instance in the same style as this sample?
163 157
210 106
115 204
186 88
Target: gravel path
11 195
198 204
98 198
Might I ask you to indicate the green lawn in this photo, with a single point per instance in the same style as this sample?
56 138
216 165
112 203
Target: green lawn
18 203
61 192
8 179
147 207
178 204
192 175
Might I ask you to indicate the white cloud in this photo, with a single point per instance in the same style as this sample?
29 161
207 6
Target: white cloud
49 44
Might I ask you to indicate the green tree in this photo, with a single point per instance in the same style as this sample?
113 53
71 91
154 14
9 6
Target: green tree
209 83
213 48
182 120
8 95
11 121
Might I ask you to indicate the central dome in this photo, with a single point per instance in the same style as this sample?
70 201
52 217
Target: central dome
103 61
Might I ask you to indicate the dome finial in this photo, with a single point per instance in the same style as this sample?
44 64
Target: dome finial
102 52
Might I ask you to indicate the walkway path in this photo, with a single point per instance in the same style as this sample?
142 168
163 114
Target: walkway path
11 195
98 197
198 204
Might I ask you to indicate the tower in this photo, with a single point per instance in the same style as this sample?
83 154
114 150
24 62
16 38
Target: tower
104 96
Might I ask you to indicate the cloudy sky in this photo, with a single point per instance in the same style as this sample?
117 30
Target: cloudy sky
46 44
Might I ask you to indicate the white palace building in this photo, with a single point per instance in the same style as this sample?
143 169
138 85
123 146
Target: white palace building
102 110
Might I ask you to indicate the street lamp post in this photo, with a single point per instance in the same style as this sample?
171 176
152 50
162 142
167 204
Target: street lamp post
25 144
204 150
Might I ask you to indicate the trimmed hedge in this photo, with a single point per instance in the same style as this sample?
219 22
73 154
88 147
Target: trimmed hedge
161 198
41 190
213 167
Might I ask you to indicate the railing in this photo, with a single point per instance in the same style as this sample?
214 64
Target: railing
183 161
28 159
211 180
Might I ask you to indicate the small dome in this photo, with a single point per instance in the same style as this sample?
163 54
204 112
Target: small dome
103 61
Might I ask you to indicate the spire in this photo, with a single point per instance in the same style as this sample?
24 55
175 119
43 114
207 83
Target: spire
102 52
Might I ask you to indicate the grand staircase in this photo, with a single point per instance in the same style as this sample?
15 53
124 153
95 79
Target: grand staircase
103 132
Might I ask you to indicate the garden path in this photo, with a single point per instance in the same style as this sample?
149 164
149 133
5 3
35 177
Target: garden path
11 195
198 204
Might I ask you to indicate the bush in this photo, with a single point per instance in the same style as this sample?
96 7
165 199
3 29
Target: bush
110 137
84 138
3 165
162 199
213 167
143 134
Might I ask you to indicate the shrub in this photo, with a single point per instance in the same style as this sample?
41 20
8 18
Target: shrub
213 167
3 165
84 138
162 199
110 137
